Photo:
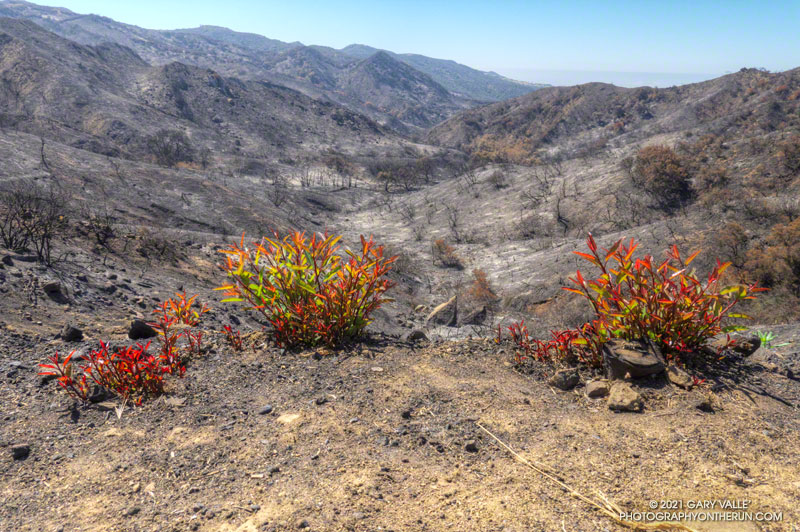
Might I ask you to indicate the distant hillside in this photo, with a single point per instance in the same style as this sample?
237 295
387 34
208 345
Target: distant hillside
575 118
108 100
317 71
455 77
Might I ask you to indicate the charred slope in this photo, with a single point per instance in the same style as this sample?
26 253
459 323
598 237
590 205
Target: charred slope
571 118
107 99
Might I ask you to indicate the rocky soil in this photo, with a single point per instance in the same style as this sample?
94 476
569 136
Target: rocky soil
381 436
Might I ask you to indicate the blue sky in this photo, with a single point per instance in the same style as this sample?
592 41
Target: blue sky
564 41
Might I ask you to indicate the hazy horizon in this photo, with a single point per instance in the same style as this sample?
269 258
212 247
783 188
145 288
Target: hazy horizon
621 79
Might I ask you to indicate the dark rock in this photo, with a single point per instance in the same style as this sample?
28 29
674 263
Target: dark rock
597 388
445 314
140 330
98 395
303 523
475 317
7 260
108 288
678 377
71 334
746 345
471 446
566 379
267 409
624 398
321 400
130 512
634 358
51 288
704 404
20 451
416 335
406 414
274 469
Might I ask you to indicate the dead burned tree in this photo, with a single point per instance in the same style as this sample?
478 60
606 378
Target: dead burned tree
44 163
31 216
453 222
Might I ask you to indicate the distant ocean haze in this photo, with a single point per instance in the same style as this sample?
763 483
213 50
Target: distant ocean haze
622 79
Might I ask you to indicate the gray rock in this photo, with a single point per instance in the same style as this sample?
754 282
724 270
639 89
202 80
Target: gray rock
20 451
7 260
471 446
445 314
597 388
303 523
624 398
265 410
130 512
566 379
678 377
71 334
634 358
140 330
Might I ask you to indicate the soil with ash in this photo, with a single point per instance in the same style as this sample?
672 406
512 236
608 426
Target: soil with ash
385 436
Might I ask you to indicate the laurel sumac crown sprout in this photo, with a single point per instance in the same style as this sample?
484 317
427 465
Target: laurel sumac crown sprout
308 293
635 298
132 372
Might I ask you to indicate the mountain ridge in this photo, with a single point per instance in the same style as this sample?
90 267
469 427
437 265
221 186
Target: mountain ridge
254 57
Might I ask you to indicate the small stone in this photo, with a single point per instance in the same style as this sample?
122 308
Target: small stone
321 400
377 369
303 523
704 405
597 388
51 288
254 507
71 334
274 469
416 335
678 377
108 288
20 451
140 330
130 512
471 446
267 409
194 489
624 398
746 345
406 414
566 379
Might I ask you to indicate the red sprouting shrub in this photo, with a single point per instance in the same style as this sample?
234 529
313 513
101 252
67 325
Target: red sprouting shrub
234 338
130 372
635 298
178 314
308 293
